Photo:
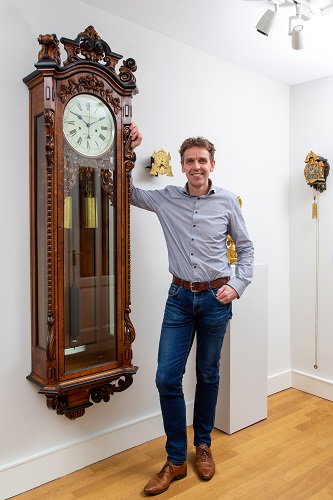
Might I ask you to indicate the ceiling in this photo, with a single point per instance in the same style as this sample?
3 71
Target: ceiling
226 29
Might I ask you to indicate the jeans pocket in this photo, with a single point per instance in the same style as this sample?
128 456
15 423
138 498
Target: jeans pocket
214 292
173 290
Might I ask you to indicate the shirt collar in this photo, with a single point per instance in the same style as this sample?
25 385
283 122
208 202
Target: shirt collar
211 188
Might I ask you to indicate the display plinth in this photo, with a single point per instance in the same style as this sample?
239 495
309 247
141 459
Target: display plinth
242 399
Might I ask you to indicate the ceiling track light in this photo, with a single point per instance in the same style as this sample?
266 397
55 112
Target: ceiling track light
297 37
296 26
267 22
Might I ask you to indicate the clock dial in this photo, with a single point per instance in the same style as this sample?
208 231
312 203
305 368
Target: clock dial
312 172
88 125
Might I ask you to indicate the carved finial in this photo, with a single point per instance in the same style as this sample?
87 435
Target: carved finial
50 49
126 71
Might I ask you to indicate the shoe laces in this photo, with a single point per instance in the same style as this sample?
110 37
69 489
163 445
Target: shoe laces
203 455
166 468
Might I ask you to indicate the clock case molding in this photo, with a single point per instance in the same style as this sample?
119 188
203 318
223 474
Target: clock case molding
90 68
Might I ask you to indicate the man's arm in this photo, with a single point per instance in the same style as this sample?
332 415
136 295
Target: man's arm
245 252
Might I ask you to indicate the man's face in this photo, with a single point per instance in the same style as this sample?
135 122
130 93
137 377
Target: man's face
197 166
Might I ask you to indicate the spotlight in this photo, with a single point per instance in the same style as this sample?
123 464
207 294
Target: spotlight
267 22
297 37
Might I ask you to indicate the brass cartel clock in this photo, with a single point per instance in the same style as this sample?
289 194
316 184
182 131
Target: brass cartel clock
316 171
80 160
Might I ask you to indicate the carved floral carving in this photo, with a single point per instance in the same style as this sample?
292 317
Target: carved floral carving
89 83
108 184
104 392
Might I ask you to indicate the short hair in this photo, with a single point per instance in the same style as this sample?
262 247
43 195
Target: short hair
199 142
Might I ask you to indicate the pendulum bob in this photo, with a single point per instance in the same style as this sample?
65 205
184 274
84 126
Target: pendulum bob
90 209
68 212
314 209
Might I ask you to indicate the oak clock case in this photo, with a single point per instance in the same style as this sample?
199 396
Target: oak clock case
80 161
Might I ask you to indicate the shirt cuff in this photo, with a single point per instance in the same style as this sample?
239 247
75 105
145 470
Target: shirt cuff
238 285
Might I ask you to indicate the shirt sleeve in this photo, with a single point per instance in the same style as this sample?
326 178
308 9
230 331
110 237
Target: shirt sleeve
244 248
148 200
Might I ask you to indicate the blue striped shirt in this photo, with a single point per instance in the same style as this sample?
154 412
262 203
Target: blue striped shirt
196 230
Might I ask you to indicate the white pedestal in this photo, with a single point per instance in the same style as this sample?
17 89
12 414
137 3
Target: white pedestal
242 399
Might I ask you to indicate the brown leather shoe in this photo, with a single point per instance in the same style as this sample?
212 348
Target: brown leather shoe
205 463
161 481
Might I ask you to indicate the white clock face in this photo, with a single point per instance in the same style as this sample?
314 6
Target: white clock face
88 125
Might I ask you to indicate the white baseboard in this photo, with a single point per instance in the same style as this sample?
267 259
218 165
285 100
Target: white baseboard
278 382
317 386
33 471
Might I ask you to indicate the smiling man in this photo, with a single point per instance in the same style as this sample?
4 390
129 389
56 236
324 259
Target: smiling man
196 220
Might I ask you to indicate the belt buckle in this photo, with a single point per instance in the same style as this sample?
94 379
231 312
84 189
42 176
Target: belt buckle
193 284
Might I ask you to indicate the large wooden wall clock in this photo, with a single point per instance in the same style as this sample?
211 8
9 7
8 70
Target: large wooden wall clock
80 160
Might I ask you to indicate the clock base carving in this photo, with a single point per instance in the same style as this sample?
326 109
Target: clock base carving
72 399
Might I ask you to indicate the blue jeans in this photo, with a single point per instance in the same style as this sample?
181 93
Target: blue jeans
187 313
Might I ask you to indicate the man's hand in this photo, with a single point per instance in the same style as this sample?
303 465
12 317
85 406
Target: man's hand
135 136
226 294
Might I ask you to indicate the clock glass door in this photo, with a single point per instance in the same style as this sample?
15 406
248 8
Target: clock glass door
89 262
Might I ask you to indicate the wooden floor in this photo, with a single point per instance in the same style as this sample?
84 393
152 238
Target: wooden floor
287 456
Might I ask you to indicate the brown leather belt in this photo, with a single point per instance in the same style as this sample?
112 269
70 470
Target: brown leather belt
197 286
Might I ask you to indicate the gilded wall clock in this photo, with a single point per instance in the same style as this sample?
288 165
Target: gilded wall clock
80 159
316 171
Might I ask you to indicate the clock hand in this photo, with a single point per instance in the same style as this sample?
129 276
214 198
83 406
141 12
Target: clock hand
80 117
99 119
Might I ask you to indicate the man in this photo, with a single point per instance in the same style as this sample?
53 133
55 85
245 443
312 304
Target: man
196 221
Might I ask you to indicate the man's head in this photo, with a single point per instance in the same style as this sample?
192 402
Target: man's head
199 142
197 161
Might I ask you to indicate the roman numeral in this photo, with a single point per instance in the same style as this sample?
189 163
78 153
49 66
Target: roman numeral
101 136
71 122
79 141
73 132
103 128
88 145
79 106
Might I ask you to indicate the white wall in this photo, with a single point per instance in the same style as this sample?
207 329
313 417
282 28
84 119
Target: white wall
311 129
183 92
